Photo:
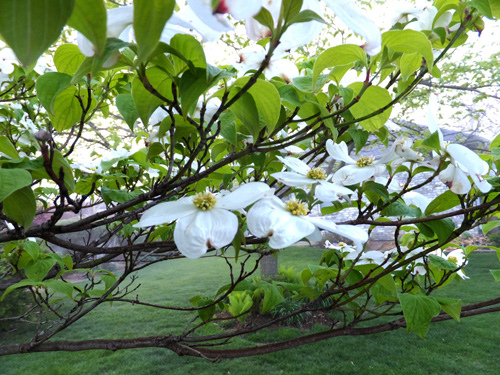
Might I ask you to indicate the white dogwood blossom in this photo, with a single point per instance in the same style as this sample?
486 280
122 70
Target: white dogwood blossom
355 171
461 160
303 175
204 220
285 223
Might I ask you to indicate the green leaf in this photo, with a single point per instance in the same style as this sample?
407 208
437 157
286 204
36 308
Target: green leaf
246 110
432 142
409 64
37 270
20 206
360 137
8 148
18 285
418 310
228 128
443 202
49 86
84 69
409 41
496 275
451 306
272 296
490 225
12 180
339 55
372 100
483 6
68 58
267 100
32 249
306 16
126 107
306 83
60 287
239 303
161 82
265 18
89 18
145 102
150 17
188 50
120 196
67 109
30 27
442 263
443 228
191 87
398 208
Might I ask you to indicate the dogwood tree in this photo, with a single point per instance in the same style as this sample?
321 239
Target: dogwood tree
235 161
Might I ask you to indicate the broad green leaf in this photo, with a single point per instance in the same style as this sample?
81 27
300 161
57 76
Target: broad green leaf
8 148
496 275
37 270
49 86
120 196
84 69
339 55
267 100
239 303
442 263
360 137
60 287
418 310
30 27
18 285
20 206
89 17
228 128
443 202
191 87
145 102
191 50
161 82
32 249
150 17
272 296
306 83
265 18
483 6
443 228
451 306
490 225
306 16
67 110
409 64
246 110
126 107
12 180
373 99
409 41
68 58
432 142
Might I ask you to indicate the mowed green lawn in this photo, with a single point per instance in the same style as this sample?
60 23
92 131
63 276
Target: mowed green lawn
469 347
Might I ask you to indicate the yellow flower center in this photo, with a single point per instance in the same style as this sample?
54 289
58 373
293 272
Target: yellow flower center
364 161
204 201
297 207
342 244
453 259
317 174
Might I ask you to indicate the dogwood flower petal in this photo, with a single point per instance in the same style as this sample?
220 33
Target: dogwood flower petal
356 234
352 174
339 151
292 179
472 163
194 234
295 165
328 192
167 212
243 196
358 22
456 179
269 218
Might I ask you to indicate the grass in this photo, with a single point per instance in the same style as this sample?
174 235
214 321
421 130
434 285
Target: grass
469 347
